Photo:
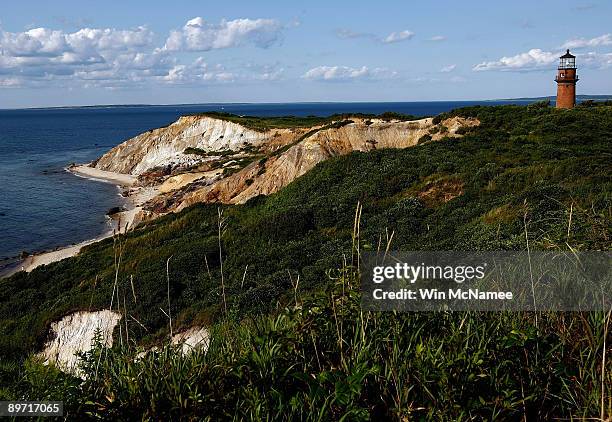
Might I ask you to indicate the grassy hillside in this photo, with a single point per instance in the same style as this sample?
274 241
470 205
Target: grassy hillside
263 124
524 168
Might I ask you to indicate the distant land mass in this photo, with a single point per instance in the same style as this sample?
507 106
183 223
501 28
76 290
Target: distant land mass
554 97
544 98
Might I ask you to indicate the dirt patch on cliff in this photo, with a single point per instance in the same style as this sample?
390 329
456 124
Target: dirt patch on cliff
441 191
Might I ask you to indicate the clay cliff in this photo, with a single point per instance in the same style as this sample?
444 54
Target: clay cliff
166 146
76 333
208 159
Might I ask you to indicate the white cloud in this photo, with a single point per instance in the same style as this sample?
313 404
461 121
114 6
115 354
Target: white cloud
596 60
274 75
266 72
115 58
394 37
437 38
10 82
602 40
201 72
449 68
42 54
197 72
198 35
345 73
398 36
347 34
531 60
331 73
536 59
176 74
85 43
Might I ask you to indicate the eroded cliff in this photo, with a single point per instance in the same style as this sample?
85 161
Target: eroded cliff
74 334
233 163
167 146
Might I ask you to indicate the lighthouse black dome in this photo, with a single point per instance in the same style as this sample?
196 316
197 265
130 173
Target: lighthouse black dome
567 55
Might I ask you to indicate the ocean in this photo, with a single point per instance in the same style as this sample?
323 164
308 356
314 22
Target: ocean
43 207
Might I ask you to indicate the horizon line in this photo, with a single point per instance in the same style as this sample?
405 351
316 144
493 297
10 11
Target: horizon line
600 96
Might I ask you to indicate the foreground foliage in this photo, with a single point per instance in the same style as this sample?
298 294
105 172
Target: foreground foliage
325 359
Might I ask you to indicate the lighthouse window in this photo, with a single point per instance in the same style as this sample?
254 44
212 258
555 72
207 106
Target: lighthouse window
562 74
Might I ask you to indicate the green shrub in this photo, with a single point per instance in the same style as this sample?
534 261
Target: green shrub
423 139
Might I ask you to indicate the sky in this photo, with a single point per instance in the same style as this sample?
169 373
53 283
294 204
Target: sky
65 53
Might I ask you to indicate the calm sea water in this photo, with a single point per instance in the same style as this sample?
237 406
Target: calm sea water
42 206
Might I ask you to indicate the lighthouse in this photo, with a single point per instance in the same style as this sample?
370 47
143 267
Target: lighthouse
566 81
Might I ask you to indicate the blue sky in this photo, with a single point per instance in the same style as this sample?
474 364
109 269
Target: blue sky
112 52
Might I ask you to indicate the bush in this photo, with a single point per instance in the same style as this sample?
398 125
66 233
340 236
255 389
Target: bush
423 139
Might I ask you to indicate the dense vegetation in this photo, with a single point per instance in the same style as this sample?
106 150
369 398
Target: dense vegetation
263 124
524 170
322 358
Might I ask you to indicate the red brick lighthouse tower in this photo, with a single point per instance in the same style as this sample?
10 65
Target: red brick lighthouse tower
566 81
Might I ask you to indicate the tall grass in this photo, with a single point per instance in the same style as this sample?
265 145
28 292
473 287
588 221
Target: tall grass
327 360
323 358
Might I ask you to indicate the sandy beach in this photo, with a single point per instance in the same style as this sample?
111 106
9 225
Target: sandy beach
121 221
106 176
45 258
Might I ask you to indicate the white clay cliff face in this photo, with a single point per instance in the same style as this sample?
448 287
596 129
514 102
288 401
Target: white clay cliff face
164 146
74 334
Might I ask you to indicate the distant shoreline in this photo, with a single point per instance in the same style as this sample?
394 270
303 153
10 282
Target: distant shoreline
582 97
99 106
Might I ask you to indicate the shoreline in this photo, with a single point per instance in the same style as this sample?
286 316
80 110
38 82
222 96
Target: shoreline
91 173
120 222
